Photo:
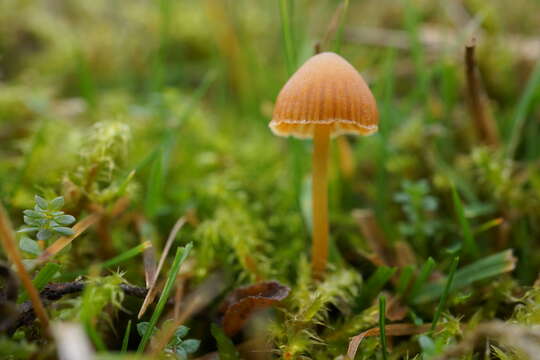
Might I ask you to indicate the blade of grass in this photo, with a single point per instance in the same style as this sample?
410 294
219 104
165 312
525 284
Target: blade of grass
152 288
404 279
95 337
180 257
41 279
469 243
488 225
522 110
422 278
155 185
125 340
444 297
374 285
286 29
382 317
339 36
86 82
126 255
9 243
485 268
160 156
412 23
298 152
225 346
38 140
390 330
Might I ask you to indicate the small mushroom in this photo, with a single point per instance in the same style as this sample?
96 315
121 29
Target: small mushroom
326 97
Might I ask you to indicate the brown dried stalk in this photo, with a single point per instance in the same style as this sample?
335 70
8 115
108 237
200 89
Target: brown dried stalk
486 127
390 330
374 236
152 290
10 246
56 291
64 241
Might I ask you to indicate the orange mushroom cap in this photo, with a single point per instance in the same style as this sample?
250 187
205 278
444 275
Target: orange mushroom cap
326 90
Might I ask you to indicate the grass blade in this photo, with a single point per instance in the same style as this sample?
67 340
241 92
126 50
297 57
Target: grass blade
286 29
469 243
422 278
155 185
225 346
152 285
374 285
41 279
522 109
125 340
339 36
485 268
382 312
404 279
126 255
445 293
180 257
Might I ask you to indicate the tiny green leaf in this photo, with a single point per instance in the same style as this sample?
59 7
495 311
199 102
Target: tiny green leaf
142 327
41 202
33 214
64 219
30 246
27 230
191 345
57 203
181 331
181 353
32 221
44 234
63 230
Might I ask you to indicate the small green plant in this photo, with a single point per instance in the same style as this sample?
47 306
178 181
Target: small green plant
418 206
178 347
47 221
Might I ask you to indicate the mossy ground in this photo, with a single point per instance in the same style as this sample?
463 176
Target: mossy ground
139 113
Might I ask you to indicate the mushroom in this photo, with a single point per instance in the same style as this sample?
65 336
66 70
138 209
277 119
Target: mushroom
326 97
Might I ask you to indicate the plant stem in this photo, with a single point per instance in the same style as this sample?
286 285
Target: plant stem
10 247
382 326
444 296
319 200
284 9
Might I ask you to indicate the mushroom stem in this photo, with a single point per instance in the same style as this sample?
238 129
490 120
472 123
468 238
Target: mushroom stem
319 199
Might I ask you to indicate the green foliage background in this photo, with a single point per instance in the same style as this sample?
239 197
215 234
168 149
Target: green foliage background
166 104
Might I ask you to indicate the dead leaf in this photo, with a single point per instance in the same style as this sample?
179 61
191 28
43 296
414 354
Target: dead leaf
244 301
391 330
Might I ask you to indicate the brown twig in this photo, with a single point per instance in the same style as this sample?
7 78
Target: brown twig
152 288
56 291
483 121
374 236
391 330
331 29
62 242
10 246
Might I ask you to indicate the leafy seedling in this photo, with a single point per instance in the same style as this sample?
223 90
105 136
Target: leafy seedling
47 221
178 347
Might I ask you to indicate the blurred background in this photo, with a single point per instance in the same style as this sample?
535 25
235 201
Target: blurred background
166 103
